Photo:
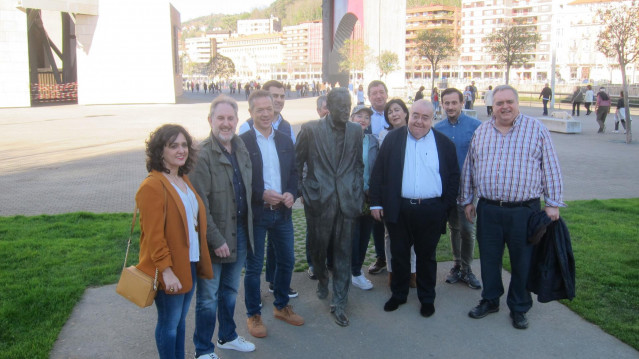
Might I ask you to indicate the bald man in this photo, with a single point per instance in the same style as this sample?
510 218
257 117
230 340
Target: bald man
414 206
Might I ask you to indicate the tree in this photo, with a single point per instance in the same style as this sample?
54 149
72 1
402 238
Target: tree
436 45
354 56
619 39
220 66
511 45
387 62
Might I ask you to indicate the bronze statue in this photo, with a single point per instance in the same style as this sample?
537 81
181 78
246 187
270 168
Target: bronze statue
333 195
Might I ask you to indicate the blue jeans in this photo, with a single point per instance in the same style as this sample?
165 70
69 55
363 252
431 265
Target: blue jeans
361 237
172 310
279 226
217 296
545 102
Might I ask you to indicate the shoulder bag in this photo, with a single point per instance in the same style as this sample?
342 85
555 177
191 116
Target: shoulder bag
135 285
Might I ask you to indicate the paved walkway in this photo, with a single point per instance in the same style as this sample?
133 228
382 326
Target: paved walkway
91 158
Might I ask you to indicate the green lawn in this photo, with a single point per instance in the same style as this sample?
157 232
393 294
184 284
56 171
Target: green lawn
48 262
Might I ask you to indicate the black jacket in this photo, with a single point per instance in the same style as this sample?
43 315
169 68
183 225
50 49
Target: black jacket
288 172
386 178
552 272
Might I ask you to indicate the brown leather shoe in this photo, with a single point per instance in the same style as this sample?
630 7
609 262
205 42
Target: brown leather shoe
413 280
288 315
255 326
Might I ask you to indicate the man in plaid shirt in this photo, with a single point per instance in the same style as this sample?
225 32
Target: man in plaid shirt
511 163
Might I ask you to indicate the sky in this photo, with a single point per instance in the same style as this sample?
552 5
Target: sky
190 9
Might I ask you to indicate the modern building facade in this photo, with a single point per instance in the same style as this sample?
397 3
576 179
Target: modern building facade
259 26
254 56
425 18
101 53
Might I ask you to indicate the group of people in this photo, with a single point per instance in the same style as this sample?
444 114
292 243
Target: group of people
385 169
602 102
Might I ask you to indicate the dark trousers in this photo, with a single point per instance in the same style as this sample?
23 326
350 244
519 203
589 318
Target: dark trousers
496 227
575 105
587 106
332 228
545 106
378 238
419 225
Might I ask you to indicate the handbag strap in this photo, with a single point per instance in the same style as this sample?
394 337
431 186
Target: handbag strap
128 245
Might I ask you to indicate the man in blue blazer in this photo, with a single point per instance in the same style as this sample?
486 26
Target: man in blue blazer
414 185
274 188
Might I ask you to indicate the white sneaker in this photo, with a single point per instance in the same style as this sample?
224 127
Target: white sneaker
361 282
615 131
240 344
208 356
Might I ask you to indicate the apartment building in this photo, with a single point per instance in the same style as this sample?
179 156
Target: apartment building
259 26
425 18
254 55
302 53
578 59
481 18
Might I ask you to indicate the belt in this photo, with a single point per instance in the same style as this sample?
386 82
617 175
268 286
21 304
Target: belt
421 201
273 207
527 203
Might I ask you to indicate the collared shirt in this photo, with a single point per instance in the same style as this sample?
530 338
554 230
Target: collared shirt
421 177
460 133
517 166
270 162
245 127
377 122
238 184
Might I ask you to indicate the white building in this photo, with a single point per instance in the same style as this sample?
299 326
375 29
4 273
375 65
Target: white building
302 52
200 49
578 59
255 55
110 64
259 26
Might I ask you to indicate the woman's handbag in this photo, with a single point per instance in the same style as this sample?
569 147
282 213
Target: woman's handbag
135 285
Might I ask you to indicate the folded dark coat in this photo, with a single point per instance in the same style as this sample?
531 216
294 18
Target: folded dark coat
552 273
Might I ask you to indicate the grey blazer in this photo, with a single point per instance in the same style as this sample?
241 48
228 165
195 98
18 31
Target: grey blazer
325 179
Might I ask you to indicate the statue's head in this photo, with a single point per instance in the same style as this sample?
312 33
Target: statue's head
339 104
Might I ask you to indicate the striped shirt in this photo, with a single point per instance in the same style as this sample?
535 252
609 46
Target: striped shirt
517 166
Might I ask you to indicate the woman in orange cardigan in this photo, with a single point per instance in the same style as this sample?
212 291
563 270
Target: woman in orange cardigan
173 233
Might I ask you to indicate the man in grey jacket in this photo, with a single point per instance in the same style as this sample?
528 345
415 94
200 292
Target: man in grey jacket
333 193
223 179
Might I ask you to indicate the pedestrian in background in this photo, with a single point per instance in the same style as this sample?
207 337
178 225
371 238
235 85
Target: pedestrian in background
577 99
488 101
620 115
602 107
545 96
589 99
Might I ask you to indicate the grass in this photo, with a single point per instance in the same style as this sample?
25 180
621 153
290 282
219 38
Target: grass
48 262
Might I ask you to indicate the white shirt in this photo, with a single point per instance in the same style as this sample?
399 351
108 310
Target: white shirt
191 208
421 177
270 162
245 127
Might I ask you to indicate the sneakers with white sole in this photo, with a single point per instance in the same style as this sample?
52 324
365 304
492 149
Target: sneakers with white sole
240 344
208 356
361 282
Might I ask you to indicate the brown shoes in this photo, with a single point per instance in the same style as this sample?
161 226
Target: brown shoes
288 315
255 326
